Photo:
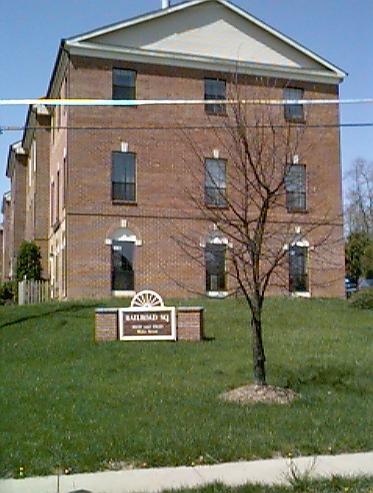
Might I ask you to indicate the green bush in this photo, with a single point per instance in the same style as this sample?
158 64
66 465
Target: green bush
363 299
8 292
28 261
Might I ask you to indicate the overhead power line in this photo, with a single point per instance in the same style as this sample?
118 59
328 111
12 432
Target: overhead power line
158 102
14 128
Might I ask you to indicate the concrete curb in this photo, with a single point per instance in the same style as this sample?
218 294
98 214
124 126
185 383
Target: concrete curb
271 471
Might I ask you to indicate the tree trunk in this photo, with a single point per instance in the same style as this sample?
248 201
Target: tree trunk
258 351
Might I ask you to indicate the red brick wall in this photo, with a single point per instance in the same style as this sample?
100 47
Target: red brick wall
164 160
18 209
106 325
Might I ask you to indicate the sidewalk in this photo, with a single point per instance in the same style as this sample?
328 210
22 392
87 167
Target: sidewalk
271 471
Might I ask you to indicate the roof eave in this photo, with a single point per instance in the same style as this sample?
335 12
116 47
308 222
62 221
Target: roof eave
14 150
202 62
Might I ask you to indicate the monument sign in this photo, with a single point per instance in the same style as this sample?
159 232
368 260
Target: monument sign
147 319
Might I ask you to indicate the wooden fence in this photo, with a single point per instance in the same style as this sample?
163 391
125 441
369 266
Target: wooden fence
31 292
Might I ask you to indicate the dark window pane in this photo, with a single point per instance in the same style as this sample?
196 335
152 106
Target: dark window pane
124 84
298 269
293 112
123 176
295 184
215 182
122 274
215 267
215 89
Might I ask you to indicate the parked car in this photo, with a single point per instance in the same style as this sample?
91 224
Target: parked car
350 287
365 284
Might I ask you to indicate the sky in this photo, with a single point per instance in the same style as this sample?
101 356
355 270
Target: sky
338 30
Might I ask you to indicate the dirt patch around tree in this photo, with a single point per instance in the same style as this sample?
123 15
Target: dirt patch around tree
266 394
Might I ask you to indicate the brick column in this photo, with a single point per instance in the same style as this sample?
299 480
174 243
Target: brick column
106 324
190 323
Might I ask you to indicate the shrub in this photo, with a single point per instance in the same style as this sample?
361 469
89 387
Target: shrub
28 261
8 292
363 299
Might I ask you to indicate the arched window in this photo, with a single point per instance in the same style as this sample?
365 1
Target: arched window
123 244
298 267
215 263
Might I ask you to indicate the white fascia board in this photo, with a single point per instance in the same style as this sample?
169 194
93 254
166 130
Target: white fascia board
18 149
40 109
277 34
201 63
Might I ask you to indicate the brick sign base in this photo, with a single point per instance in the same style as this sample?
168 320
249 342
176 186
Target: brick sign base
189 324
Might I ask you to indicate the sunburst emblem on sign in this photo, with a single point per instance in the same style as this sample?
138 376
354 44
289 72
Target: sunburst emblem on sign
147 299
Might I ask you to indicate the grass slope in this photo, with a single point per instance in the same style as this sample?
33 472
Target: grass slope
68 402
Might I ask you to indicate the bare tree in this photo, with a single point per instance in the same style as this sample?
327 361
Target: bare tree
359 198
259 214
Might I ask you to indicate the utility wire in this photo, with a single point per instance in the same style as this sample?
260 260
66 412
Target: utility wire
187 127
156 102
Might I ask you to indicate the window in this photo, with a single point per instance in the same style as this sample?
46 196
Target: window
123 176
298 269
122 273
52 204
215 267
124 84
293 112
64 181
58 197
215 182
295 184
215 89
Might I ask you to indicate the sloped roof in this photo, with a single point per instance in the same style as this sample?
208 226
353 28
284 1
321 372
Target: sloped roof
204 32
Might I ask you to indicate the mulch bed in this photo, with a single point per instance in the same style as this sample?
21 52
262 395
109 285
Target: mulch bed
266 394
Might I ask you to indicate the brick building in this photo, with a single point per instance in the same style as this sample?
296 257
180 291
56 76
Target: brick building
106 188
6 271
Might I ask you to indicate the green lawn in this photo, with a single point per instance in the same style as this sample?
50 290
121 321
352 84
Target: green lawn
68 402
334 485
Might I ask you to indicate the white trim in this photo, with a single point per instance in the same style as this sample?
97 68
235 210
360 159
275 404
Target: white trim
201 62
217 240
148 17
217 294
123 294
301 294
171 337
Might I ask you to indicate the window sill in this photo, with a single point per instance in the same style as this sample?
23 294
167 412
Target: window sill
301 121
123 202
217 294
123 294
301 294
297 211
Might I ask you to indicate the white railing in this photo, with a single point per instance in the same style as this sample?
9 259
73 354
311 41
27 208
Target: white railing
31 292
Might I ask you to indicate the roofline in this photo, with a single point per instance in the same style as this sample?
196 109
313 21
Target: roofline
6 198
203 63
190 3
14 149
